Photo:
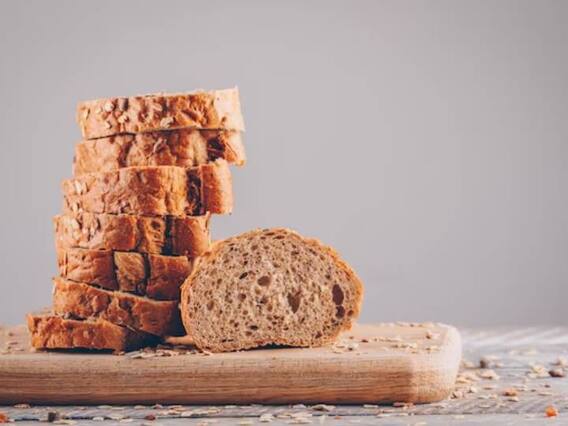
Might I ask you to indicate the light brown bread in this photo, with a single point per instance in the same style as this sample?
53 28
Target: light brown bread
219 109
269 287
168 235
152 275
83 301
184 148
152 191
48 331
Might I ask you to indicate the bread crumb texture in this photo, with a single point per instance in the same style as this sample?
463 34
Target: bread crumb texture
269 287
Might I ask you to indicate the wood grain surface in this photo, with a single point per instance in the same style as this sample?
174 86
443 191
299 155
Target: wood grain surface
372 363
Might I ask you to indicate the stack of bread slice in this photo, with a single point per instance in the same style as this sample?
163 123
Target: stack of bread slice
146 178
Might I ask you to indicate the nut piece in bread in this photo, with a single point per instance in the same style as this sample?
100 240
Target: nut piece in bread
269 287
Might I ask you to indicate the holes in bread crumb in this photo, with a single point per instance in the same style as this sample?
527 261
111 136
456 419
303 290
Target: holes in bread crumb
264 281
338 296
210 305
242 296
340 312
294 252
253 327
294 300
254 247
318 335
243 275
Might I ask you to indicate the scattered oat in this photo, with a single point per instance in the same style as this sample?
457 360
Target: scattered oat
370 406
489 375
557 372
551 411
52 416
98 419
561 361
266 418
150 417
22 406
246 423
323 407
510 392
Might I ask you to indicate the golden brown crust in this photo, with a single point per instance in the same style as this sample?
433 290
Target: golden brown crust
155 276
152 191
207 258
183 148
83 301
168 235
55 332
218 109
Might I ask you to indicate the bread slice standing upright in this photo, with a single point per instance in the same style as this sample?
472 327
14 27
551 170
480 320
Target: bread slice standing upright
269 287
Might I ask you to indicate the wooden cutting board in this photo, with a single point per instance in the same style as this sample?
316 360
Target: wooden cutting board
372 363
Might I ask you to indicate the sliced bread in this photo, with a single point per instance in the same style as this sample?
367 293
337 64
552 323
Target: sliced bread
170 235
152 275
48 331
269 287
184 148
218 109
152 191
80 300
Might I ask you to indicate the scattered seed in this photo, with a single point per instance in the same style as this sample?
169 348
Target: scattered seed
551 411
557 372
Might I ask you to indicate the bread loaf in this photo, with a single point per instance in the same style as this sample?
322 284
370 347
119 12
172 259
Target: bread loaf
184 148
49 331
169 235
80 300
152 191
152 275
269 287
219 109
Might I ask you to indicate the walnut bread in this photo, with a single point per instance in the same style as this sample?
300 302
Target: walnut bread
152 191
80 300
219 109
168 235
269 287
184 148
50 331
152 275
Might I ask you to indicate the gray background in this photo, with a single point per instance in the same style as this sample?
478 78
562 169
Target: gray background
426 141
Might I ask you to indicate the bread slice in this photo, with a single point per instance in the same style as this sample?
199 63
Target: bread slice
184 148
48 331
152 191
153 275
269 287
169 235
81 300
218 109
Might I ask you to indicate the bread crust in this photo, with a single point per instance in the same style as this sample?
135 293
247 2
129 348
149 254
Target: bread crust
183 148
80 300
218 109
203 261
155 276
152 191
168 235
49 331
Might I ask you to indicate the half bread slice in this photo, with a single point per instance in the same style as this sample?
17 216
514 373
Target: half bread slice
170 235
152 191
152 275
269 287
48 331
183 148
80 300
216 109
